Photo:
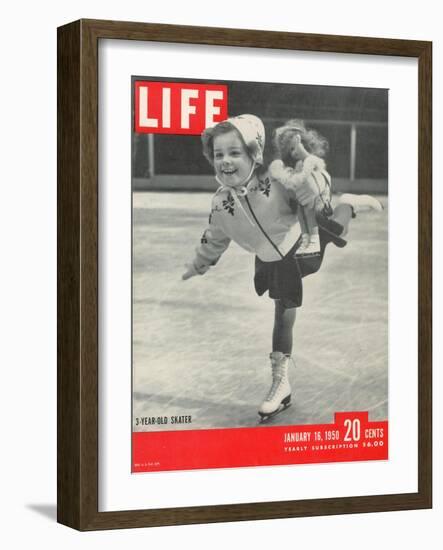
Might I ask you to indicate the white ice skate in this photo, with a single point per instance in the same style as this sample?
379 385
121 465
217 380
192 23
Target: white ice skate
310 246
360 203
279 396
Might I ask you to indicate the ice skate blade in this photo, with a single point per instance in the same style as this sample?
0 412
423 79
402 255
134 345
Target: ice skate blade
285 404
264 418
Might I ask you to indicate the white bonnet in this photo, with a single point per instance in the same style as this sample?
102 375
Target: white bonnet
252 131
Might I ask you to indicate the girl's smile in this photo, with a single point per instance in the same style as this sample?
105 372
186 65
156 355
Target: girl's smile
232 162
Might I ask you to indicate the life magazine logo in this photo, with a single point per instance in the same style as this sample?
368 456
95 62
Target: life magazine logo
178 107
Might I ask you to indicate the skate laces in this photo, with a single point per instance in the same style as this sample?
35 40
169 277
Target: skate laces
278 376
275 385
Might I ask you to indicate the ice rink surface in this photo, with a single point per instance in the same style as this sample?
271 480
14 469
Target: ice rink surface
201 347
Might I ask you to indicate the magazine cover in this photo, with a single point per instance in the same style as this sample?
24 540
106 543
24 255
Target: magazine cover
259 274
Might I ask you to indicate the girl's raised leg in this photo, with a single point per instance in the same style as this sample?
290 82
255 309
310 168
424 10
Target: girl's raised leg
343 214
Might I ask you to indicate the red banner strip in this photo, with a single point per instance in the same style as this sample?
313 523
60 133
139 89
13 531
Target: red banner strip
350 438
178 107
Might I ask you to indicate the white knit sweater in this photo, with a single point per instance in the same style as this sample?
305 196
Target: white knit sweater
266 204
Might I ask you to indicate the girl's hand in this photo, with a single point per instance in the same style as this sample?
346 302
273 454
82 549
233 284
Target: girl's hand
305 196
298 152
190 272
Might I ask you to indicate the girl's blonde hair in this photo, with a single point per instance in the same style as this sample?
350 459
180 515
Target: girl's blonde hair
312 141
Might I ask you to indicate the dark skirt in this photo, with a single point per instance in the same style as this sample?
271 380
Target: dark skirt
283 278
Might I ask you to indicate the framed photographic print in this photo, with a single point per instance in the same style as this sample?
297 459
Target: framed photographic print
244 275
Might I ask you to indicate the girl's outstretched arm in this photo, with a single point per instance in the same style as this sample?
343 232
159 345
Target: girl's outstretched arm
212 245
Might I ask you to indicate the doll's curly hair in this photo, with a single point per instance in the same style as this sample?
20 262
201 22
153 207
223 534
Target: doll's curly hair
312 141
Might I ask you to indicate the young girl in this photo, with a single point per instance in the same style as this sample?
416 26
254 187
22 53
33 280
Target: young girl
301 152
256 211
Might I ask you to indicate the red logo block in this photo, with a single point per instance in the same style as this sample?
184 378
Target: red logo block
178 107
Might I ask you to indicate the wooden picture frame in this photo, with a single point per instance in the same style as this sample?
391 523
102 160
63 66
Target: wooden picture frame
77 457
